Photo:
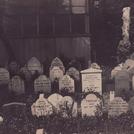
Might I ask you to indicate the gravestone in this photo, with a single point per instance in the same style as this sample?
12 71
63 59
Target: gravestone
34 65
117 107
41 107
4 76
68 107
66 83
122 82
42 84
89 105
58 63
55 73
92 80
55 100
74 73
16 85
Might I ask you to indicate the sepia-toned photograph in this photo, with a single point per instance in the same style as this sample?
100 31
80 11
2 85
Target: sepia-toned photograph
66 67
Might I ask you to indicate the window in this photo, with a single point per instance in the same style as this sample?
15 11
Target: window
45 24
62 25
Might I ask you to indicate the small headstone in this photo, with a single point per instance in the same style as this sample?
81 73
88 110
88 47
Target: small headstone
55 100
66 83
42 84
41 107
34 65
55 73
89 105
117 107
4 76
92 80
74 73
58 63
16 85
122 82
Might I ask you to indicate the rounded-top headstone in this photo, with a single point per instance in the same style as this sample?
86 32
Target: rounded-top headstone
73 72
42 84
55 73
34 65
55 100
57 62
4 76
66 83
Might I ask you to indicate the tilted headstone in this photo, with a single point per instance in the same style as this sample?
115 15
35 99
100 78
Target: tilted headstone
66 83
131 104
74 73
41 107
55 100
117 107
89 105
68 107
16 85
42 84
4 76
92 80
58 63
34 65
122 82
55 73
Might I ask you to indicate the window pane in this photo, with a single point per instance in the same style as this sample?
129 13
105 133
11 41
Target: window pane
29 25
45 24
78 10
78 2
78 24
62 24
12 25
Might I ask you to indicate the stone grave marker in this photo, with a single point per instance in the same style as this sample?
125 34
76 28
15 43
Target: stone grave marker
92 80
122 82
58 63
42 84
55 73
34 65
68 107
41 107
40 131
55 100
16 85
89 105
66 83
74 73
4 76
117 107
